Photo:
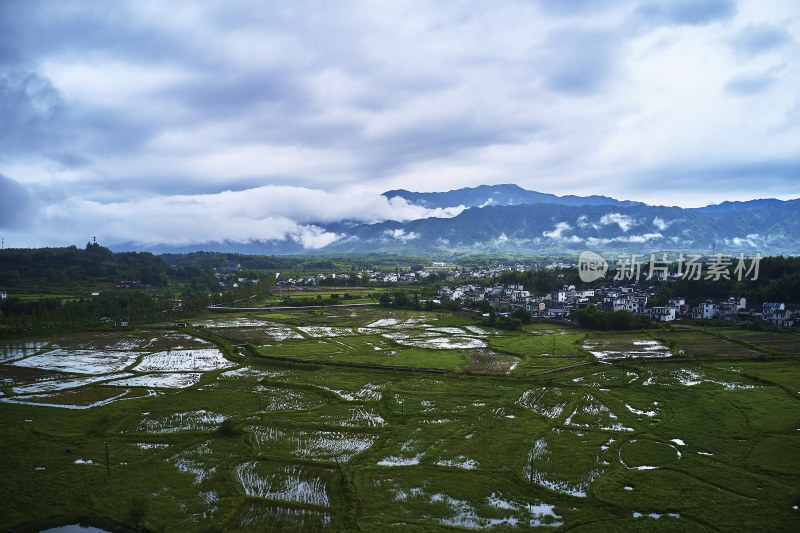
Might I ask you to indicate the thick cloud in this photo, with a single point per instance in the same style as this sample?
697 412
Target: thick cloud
14 203
263 214
582 61
30 113
181 106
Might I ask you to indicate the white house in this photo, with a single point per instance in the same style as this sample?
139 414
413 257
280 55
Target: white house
662 314
707 310
777 314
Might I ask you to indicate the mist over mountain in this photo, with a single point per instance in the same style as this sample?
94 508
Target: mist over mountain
771 227
509 219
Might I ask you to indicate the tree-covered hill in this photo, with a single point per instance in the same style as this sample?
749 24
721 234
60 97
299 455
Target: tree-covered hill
46 270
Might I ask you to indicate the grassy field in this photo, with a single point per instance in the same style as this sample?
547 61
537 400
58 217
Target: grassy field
369 419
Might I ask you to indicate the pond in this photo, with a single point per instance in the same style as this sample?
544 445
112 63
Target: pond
74 528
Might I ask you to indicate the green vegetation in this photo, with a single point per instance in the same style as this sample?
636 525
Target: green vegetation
75 288
591 318
365 418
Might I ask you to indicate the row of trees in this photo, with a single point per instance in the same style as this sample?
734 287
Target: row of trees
591 318
72 271
117 306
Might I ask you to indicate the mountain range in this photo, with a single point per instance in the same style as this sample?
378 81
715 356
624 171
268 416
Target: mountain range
510 219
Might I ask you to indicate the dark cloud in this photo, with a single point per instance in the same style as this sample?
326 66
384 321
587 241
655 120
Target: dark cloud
15 202
684 12
31 110
31 30
749 84
69 159
581 62
757 39
441 138
222 93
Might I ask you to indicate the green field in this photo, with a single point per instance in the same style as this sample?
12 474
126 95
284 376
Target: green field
370 419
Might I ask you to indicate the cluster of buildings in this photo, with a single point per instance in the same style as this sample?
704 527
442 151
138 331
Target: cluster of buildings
356 278
565 301
443 270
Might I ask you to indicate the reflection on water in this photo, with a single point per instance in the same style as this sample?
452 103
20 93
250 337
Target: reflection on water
74 528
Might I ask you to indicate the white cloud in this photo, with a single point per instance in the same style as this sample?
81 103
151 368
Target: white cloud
261 214
401 234
750 240
560 228
623 221
661 224
637 239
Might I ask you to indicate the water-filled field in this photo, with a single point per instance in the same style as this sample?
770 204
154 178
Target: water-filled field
369 419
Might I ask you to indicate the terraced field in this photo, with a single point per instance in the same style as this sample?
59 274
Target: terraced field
366 419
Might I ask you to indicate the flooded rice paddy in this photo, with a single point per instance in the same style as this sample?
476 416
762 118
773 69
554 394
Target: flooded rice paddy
317 432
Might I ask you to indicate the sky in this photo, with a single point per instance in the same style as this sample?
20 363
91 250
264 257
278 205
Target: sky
150 123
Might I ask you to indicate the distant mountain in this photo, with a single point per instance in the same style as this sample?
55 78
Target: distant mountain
511 220
493 195
728 206
546 228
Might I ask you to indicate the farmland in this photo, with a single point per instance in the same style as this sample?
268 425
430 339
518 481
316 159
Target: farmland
365 418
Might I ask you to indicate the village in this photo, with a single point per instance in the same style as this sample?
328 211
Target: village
564 302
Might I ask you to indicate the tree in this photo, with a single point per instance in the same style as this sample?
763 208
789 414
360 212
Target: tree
523 315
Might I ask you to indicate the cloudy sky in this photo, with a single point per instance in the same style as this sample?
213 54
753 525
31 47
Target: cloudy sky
151 122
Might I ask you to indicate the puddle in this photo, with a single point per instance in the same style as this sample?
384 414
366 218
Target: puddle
438 343
11 352
460 513
81 361
359 416
184 360
655 515
165 380
591 413
326 331
186 421
461 462
547 401
369 392
63 384
262 517
570 478
289 483
315 445
651 412
638 349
